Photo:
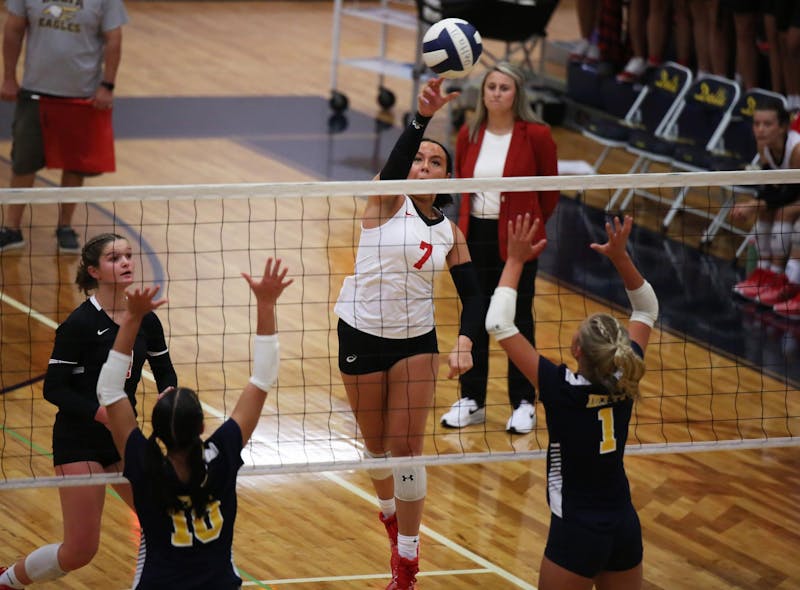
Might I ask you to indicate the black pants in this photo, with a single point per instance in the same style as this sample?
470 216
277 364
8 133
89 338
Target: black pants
485 253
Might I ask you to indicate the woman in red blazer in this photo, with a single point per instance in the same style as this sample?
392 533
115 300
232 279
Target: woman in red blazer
504 138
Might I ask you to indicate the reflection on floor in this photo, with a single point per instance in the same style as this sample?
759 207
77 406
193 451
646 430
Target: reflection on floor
694 288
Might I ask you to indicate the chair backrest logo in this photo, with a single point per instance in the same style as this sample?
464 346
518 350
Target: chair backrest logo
717 99
667 82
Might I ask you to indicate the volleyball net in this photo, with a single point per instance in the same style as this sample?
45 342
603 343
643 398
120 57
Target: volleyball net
721 373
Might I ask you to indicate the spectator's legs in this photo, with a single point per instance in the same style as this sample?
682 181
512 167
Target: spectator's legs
775 65
13 219
682 26
700 28
66 210
719 35
746 52
790 46
658 27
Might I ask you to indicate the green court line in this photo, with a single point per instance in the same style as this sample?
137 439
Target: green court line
258 583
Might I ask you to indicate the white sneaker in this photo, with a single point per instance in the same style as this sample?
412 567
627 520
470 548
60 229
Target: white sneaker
463 413
523 419
634 70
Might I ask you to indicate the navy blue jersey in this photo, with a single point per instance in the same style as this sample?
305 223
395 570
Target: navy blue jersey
586 479
182 551
79 352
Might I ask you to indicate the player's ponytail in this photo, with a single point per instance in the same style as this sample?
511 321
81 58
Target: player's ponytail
177 423
607 357
198 480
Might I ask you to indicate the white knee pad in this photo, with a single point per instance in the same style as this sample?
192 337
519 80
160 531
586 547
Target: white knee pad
796 233
410 483
781 243
42 565
378 473
763 231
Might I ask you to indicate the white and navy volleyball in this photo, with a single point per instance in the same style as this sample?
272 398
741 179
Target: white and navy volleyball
451 47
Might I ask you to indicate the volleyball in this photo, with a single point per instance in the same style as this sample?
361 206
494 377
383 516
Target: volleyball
451 47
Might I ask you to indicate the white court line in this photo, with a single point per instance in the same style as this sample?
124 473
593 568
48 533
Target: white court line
364 577
488 566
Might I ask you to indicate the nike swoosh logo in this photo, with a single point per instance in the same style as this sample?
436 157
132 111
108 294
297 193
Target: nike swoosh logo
101 332
409 214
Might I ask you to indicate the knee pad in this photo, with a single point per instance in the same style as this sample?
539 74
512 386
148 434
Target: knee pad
781 243
410 483
763 231
796 234
42 565
378 473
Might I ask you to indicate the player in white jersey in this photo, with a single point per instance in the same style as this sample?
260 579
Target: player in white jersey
775 282
388 353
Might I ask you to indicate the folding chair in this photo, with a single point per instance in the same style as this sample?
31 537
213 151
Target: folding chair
698 125
613 132
736 150
649 116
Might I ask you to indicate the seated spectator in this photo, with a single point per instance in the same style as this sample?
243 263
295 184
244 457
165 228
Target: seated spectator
775 282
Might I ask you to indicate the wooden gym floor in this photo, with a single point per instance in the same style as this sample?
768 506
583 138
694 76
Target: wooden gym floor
208 93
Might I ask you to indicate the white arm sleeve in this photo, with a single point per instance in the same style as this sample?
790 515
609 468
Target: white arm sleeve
111 382
644 304
266 361
500 317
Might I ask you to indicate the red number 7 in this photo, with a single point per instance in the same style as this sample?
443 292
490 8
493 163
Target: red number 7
423 245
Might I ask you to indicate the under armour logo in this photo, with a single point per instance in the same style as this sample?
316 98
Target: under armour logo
408 478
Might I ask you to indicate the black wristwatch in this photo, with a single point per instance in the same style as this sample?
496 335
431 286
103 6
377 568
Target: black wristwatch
107 85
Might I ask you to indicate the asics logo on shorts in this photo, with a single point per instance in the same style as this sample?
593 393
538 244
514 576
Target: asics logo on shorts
351 358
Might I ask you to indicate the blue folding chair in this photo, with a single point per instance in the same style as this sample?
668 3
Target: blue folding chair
697 126
649 118
608 127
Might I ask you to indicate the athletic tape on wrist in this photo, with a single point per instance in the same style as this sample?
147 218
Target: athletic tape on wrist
644 304
500 317
111 382
266 361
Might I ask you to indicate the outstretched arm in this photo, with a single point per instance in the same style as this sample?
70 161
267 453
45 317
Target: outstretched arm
640 292
265 347
111 382
500 317
398 164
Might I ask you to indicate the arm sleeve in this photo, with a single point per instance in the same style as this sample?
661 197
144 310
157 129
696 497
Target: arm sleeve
473 310
405 149
158 354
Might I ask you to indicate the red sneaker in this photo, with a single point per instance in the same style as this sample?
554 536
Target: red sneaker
3 586
779 290
390 522
406 575
789 308
748 288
